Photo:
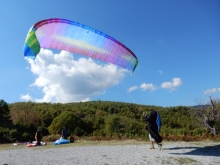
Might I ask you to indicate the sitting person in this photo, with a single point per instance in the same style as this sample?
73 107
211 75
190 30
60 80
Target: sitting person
64 133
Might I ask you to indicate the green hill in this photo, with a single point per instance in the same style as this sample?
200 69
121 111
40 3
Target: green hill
99 120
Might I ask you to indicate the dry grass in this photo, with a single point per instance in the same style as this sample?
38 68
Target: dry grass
79 142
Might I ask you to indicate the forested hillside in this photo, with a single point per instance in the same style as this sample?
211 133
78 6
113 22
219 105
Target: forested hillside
97 119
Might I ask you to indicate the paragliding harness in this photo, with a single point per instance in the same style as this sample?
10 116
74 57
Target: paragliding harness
154 132
158 122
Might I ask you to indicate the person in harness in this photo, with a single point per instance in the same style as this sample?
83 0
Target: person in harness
153 126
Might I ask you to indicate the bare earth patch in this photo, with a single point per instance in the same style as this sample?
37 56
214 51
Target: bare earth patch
127 152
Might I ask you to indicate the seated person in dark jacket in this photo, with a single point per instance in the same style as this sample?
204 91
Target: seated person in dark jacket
64 133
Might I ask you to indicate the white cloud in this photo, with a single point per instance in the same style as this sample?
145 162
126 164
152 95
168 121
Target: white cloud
150 87
26 97
64 79
176 82
211 91
132 88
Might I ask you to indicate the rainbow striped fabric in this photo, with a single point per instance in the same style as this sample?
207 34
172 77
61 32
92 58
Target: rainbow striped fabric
63 34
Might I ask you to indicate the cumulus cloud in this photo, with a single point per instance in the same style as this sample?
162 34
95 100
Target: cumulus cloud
132 88
143 87
173 85
65 79
150 87
211 91
26 97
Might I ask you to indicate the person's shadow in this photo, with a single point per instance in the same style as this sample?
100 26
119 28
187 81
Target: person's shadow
200 151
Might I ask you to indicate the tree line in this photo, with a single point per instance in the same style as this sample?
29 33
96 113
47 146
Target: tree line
100 119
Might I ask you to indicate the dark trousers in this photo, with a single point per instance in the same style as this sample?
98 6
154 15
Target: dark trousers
38 142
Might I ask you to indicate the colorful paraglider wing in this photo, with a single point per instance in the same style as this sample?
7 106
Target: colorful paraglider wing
74 37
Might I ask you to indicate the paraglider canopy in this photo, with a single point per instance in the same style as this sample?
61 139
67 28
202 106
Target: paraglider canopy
63 34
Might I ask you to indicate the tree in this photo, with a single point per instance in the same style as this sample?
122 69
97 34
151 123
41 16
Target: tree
25 113
5 122
5 118
69 120
208 115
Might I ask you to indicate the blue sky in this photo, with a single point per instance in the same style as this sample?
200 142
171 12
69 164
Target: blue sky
177 44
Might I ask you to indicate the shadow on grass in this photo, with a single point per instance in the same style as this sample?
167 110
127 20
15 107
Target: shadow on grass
199 151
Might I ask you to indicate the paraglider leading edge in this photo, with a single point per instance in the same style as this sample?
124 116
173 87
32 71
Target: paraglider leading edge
74 37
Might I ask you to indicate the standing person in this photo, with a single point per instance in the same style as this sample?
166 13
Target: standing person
64 133
38 136
153 126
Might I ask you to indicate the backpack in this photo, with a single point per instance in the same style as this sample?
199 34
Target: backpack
158 121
